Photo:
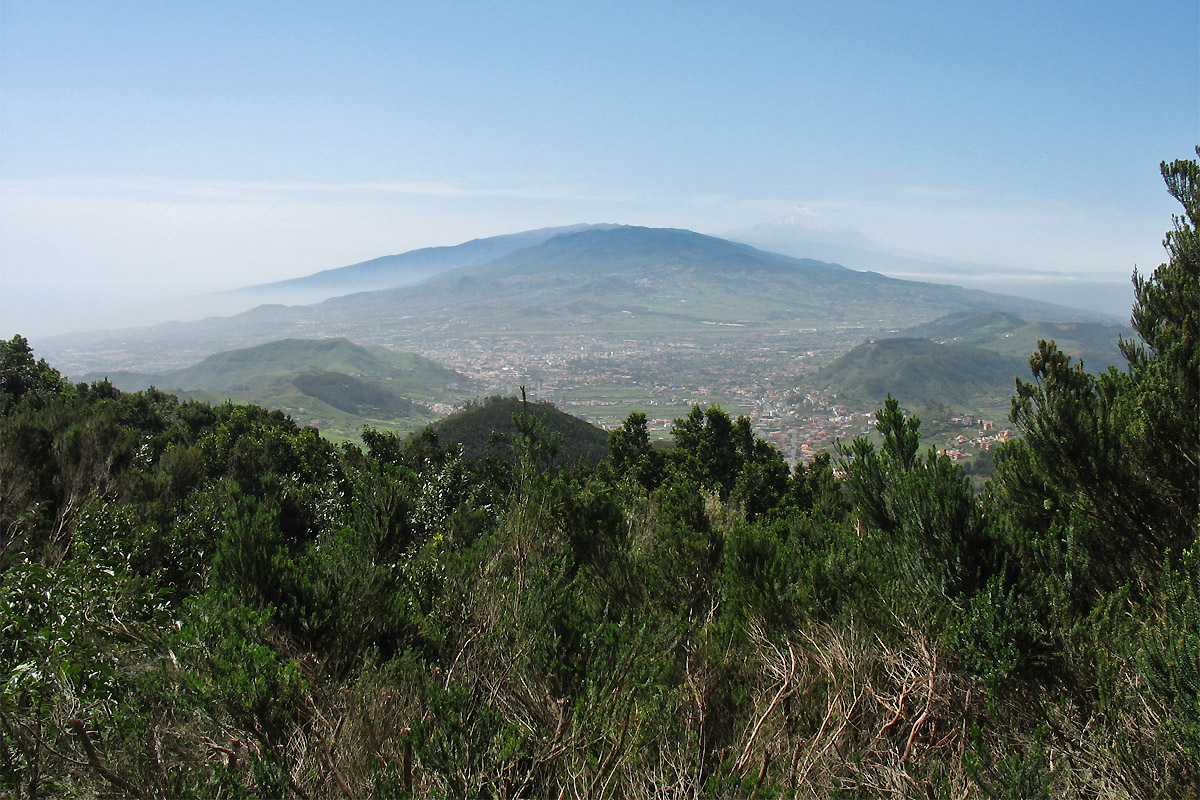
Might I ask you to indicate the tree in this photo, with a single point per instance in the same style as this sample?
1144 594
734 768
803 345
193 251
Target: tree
901 435
706 449
1112 462
1163 410
924 504
631 454
20 375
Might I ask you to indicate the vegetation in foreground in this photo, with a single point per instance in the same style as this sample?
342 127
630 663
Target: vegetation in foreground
200 601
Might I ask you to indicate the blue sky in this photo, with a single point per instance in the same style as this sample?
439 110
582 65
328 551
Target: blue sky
181 146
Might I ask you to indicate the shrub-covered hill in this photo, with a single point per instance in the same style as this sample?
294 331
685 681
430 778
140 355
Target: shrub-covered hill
921 371
489 428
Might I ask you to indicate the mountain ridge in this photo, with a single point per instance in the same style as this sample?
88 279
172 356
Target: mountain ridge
610 281
1096 344
406 268
252 367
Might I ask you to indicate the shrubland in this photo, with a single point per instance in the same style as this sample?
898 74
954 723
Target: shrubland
213 601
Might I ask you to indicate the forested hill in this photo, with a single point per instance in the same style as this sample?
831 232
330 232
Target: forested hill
922 372
332 383
201 601
274 362
491 427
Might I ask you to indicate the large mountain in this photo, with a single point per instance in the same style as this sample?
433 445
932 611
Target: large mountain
403 269
609 283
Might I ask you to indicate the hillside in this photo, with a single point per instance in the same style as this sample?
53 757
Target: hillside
353 395
332 384
919 371
399 270
638 280
1093 342
269 364
489 428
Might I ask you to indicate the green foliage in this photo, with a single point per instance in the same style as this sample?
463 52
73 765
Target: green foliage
1163 433
901 435
816 487
1170 660
924 506
235 670
1013 774
1112 459
201 601
998 636
631 454
22 378
725 457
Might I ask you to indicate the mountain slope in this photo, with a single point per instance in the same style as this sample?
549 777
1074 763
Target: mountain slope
268 364
1095 343
353 395
632 279
920 371
333 384
803 234
401 269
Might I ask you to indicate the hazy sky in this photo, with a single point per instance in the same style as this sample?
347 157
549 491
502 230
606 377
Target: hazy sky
198 145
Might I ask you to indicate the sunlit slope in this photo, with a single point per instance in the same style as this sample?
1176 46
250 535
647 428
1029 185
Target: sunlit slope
268 364
918 371
332 383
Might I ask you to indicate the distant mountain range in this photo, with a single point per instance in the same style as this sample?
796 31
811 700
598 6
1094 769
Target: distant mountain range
605 282
403 269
